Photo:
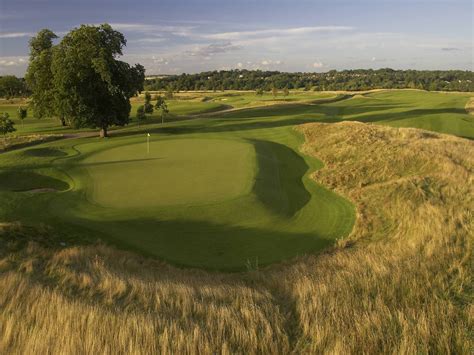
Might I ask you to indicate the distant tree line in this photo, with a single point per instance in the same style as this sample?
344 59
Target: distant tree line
359 79
353 80
11 86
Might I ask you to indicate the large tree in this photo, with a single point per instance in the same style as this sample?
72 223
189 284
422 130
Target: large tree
39 76
93 88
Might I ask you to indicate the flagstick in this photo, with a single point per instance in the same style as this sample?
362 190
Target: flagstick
148 143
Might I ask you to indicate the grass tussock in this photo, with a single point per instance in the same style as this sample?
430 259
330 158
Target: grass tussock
401 283
470 106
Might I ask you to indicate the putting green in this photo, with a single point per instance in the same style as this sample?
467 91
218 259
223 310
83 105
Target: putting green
179 171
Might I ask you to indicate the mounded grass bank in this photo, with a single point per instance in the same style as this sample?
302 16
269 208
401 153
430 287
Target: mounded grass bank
401 283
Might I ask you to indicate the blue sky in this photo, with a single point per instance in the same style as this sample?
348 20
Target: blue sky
294 35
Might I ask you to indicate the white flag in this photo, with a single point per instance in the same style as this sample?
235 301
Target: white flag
148 134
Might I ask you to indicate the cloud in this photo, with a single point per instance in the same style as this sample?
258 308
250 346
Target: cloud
212 49
375 59
13 61
15 34
151 40
152 29
318 65
445 44
266 62
294 31
160 60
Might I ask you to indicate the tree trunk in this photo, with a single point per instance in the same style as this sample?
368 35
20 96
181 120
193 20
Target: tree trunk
63 121
103 132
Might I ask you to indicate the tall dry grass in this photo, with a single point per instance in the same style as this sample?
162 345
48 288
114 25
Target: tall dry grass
470 106
401 283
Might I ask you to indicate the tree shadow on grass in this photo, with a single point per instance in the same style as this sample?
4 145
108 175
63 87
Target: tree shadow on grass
111 162
45 152
395 116
223 125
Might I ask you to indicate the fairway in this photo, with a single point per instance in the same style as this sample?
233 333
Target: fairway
228 189
179 171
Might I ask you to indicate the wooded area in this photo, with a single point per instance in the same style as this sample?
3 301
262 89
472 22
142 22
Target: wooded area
360 79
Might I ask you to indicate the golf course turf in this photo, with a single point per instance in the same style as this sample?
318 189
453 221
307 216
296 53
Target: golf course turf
226 191
174 172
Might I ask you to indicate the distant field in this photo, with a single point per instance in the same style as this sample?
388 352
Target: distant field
436 111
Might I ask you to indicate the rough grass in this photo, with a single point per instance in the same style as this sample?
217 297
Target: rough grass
470 106
401 283
14 141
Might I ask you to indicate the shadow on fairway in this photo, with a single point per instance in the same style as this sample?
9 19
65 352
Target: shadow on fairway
24 180
391 116
110 162
45 152
278 183
207 245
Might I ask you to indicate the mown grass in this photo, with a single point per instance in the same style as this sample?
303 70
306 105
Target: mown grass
284 215
437 111
200 202
401 282
173 172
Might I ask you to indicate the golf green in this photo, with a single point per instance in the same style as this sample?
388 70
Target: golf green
173 172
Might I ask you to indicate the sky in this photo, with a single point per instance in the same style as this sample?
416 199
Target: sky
177 36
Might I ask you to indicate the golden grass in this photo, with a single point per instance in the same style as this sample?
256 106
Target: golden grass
401 283
470 106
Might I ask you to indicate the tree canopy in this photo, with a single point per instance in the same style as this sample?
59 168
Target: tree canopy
39 76
93 88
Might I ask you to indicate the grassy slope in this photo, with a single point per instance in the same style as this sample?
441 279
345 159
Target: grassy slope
439 112
408 291
284 215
